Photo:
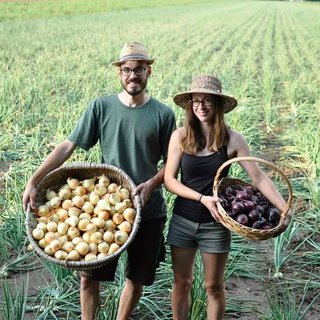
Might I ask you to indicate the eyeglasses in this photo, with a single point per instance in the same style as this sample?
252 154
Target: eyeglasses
139 71
208 102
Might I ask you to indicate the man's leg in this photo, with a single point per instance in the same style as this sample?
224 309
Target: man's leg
129 298
89 298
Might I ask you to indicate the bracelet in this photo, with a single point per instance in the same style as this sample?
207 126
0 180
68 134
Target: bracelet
200 197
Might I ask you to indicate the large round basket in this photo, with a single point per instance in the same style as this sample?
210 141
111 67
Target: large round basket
233 225
81 171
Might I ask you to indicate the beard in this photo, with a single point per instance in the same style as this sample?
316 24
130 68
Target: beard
137 89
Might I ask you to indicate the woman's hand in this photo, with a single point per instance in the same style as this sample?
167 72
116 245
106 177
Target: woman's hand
29 196
211 203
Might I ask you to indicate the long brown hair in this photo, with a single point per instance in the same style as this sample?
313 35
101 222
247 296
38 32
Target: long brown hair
193 140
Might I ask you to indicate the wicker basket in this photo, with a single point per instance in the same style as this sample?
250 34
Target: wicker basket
233 225
56 179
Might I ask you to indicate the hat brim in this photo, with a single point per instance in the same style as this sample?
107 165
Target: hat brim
120 62
183 99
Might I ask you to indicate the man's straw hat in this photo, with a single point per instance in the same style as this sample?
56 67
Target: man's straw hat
133 51
205 83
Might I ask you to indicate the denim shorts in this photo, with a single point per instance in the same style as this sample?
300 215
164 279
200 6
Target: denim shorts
211 237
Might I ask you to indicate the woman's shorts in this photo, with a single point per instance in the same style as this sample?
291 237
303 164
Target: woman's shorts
211 237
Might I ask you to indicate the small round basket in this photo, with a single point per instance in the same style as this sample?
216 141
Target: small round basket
233 225
56 179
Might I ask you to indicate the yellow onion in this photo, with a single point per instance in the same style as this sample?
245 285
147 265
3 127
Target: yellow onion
73 183
62 227
73 255
114 199
80 191
94 197
104 180
90 257
50 194
74 211
108 236
129 214
61 214
120 206
52 226
77 201
124 193
66 204
48 204
42 226
91 228
89 184
86 237
104 214
117 218
48 250
42 220
63 239
72 221
103 247
43 243
50 236
42 210
110 225
83 223
55 217
100 190
77 240
96 237
60 255
120 237
93 248
73 232
125 226
128 203
113 248
68 246
55 202
37 233
100 223
64 194
112 187
103 204
101 255
88 207
55 245
82 248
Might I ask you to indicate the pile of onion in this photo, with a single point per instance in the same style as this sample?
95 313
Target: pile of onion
84 220
249 207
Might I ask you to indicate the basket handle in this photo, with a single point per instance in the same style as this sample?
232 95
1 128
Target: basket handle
255 159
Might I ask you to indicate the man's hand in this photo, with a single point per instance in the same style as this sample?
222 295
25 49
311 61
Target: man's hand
144 190
29 196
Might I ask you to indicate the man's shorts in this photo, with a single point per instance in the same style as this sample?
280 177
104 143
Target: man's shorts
210 237
145 253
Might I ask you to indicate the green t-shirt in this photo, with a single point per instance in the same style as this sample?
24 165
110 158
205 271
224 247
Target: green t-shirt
133 139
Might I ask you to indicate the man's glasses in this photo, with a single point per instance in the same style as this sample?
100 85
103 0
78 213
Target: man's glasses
139 71
208 102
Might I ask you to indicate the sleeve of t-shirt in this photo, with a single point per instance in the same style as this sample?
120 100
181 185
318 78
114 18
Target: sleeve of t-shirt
86 132
167 129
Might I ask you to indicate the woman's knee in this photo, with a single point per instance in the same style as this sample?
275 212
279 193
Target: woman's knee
182 284
89 284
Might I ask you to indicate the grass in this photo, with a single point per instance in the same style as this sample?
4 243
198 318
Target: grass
55 57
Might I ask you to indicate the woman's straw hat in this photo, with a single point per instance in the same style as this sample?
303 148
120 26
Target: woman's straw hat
205 83
133 51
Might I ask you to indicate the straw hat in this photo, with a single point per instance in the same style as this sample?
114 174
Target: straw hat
133 51
205 83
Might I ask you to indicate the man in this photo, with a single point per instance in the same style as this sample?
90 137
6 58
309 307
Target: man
133 131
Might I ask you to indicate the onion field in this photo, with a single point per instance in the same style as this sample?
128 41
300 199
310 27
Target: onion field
55 57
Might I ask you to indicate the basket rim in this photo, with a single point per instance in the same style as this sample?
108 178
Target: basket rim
251 233
85 265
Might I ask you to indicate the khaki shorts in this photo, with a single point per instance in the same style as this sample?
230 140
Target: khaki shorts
210 237
145 253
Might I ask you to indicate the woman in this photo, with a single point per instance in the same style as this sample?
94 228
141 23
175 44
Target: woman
197 150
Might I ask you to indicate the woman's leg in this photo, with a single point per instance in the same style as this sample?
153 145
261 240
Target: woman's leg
214 267
182 263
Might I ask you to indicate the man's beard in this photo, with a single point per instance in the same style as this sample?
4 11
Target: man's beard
134 91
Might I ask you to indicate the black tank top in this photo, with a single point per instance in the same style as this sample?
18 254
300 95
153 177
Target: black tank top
197 173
